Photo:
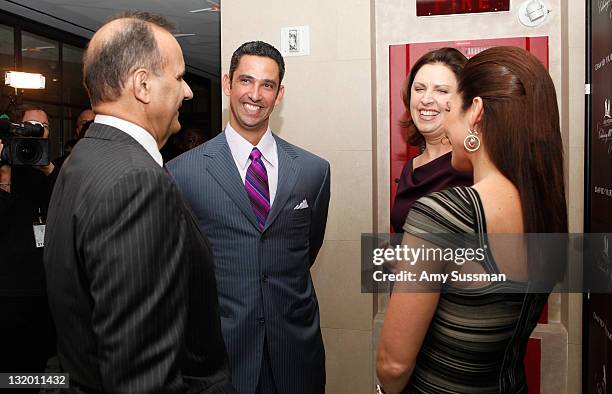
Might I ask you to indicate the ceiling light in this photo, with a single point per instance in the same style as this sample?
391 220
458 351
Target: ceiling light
21 80
37 49
181 35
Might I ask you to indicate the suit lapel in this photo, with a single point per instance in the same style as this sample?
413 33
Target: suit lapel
223 168
287 176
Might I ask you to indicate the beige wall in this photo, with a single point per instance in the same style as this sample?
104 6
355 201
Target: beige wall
327 110
337 106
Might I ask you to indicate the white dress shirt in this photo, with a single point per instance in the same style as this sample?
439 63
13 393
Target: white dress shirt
141 136
241 149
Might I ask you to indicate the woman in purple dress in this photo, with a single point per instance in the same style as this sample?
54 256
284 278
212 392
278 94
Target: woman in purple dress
426 93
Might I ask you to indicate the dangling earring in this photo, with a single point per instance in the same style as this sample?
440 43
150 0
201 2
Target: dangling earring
471 143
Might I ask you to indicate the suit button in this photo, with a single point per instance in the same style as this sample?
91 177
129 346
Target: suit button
261 321
264 279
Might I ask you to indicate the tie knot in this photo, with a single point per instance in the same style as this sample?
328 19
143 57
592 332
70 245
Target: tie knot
255 154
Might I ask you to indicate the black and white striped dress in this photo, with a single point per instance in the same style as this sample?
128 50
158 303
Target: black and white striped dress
477 338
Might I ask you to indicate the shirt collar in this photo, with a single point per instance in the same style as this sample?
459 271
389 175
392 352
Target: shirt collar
143 137
241 148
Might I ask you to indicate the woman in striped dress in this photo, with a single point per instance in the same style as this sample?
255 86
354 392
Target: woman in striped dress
470 337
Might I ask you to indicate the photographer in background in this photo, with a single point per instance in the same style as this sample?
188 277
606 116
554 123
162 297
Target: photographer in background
86 116
27 336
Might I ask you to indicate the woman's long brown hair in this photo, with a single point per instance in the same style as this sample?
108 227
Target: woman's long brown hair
520 130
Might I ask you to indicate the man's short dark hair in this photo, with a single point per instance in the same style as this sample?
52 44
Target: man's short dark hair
107 65
257 48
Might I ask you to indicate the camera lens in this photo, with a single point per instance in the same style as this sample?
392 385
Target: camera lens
28 151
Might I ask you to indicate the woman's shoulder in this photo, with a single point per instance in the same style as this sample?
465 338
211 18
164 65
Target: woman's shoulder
454 199
452 210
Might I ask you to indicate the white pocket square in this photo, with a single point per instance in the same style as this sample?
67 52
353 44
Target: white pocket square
302 205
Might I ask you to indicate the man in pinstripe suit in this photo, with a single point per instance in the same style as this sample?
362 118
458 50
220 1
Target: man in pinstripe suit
130 277
263 203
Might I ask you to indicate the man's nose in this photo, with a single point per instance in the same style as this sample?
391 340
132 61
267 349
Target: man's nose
188 93
254 92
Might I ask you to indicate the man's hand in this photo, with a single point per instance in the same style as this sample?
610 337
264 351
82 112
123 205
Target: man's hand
47 170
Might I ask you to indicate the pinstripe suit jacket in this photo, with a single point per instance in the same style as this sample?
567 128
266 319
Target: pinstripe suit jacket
130 276
263 277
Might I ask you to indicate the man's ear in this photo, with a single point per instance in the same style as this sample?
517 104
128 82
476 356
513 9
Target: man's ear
227 85
476 112
141 85
280 95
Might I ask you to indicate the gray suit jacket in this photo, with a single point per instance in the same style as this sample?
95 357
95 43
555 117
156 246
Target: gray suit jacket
263 277
130 276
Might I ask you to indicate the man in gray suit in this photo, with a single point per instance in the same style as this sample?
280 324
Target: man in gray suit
130 277
263 203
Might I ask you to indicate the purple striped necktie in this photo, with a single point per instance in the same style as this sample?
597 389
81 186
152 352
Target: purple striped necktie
256 184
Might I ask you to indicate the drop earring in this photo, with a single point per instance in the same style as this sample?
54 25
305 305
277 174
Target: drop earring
471 143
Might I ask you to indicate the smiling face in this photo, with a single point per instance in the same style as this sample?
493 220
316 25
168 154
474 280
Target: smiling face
254 91
432 88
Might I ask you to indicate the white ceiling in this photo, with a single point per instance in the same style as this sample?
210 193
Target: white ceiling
82 17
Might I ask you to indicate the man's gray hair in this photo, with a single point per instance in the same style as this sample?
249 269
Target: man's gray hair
107 65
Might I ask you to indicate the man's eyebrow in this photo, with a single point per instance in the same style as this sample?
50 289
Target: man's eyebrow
251 78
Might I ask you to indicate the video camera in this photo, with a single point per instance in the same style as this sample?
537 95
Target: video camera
23 145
